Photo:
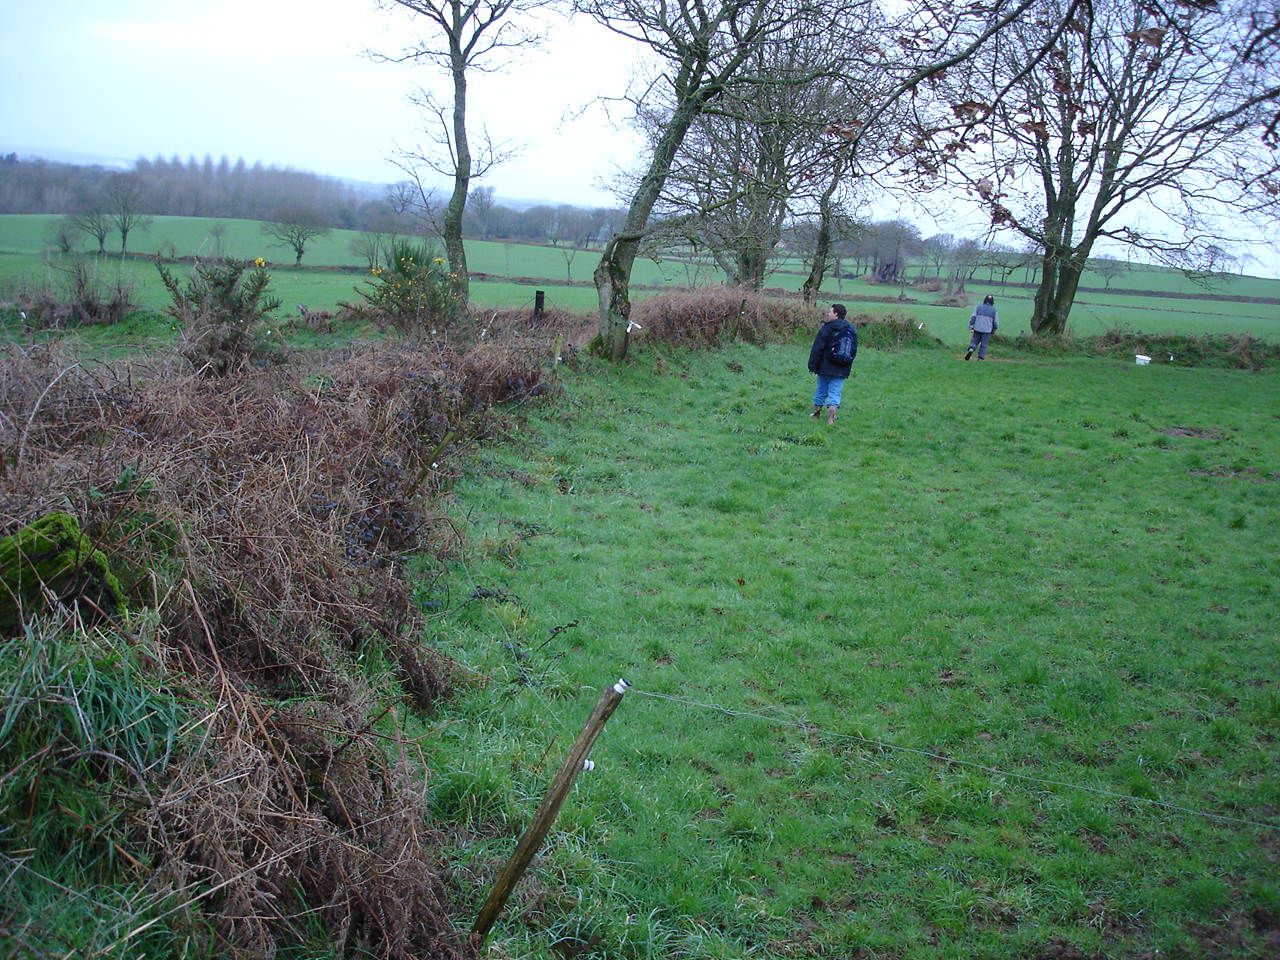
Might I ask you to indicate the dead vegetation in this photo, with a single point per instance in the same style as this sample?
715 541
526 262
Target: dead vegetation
74 296
711 316
264 518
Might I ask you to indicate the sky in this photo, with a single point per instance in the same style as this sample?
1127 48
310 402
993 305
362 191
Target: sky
288 83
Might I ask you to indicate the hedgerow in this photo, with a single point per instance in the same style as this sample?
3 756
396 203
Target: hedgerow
258 526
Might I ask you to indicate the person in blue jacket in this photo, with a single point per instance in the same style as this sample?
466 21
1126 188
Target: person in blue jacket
983 324
831 358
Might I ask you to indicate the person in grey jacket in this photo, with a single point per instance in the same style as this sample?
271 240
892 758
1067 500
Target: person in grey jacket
983 323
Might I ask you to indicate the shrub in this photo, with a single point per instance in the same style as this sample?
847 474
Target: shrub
891 331
80 298
223 313
711 316
412 291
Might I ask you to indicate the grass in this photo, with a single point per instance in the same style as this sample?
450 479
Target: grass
1061 570
320 285
81 713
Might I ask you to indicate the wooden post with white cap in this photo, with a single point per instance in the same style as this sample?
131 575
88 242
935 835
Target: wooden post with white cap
545 816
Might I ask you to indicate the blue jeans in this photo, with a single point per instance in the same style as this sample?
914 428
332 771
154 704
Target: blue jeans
979 342
828 392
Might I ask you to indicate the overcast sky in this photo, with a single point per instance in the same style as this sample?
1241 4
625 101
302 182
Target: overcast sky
286 82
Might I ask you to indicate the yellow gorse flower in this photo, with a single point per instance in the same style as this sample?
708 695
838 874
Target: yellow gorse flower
259 262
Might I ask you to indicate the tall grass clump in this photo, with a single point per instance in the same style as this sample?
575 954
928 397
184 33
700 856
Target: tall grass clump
88 719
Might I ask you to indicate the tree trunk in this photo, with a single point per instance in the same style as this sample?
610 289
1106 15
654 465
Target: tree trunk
613 287
822 246
1059 280
613 273
297 257
750 264
452 226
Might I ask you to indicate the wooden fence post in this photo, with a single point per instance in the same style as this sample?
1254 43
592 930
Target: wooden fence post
545 816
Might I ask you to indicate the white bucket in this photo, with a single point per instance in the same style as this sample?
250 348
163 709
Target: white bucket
1141 359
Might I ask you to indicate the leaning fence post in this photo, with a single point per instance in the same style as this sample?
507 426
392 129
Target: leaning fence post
545 816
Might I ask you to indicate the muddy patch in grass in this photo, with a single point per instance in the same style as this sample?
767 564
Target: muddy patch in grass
1203 433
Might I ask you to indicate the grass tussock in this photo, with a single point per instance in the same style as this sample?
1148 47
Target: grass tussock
258 525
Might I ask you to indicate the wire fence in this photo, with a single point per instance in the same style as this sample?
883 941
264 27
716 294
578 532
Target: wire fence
782 719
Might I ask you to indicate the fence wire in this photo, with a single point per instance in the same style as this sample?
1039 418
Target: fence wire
783 719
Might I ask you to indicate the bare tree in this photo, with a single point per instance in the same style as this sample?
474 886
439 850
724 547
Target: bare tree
1136 123
963 260
123 199
754 153
1261 48
95 222
62 234
480 207
701 48
218 232
569 231
935 251
893 243
462 35
1108 268
295 229
370 246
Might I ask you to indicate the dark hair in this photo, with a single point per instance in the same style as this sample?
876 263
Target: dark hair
839 309
989 299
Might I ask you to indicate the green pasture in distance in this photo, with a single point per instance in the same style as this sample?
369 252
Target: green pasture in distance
24 242
189 236
30 233
318 290
985 584
194 236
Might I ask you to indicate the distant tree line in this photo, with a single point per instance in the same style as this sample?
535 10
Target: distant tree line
190 188
107 205
223 189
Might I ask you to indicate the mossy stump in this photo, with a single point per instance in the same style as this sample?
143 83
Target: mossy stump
53 553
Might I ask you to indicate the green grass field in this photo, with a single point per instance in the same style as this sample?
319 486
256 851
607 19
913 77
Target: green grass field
988 669
24 259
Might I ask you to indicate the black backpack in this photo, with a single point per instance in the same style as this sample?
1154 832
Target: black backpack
843 346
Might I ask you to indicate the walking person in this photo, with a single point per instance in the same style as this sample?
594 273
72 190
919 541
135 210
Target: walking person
831 358
983 323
